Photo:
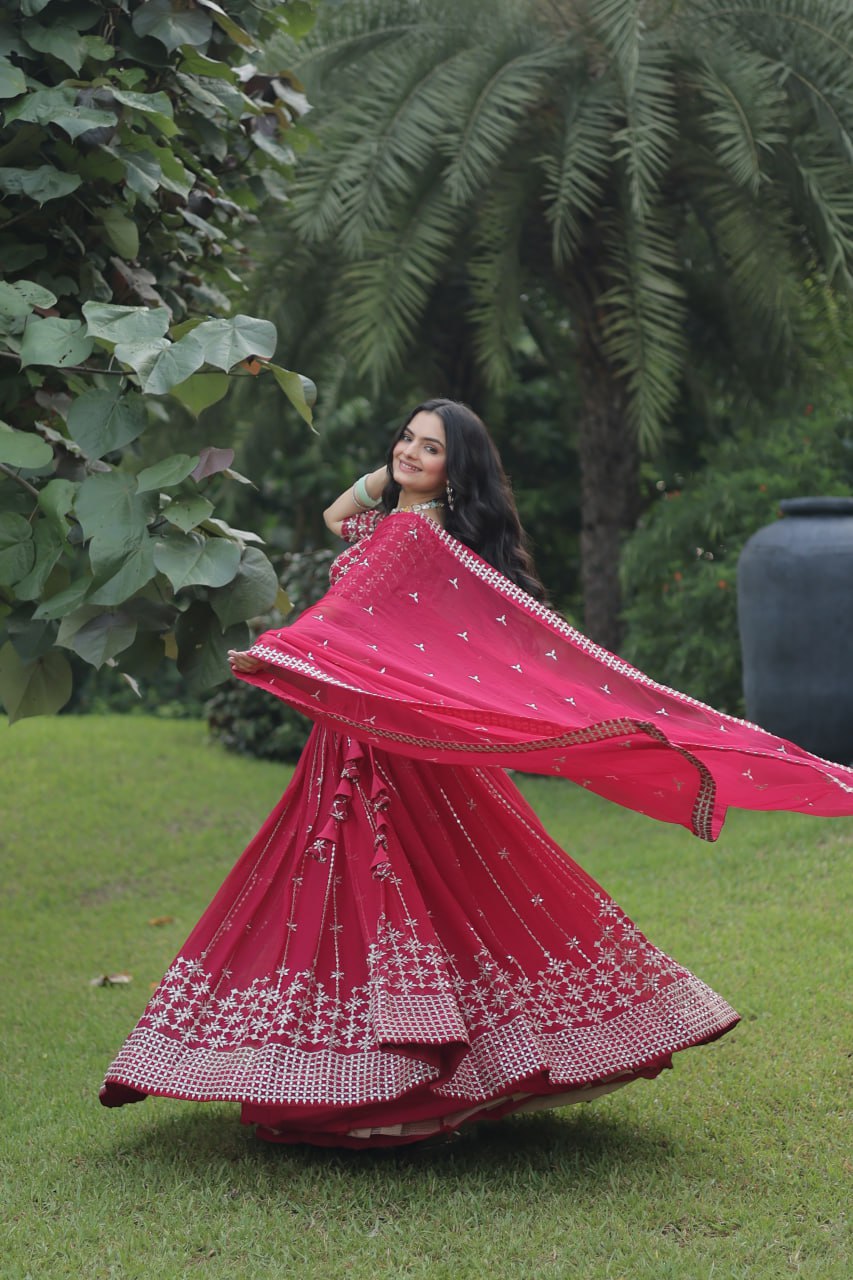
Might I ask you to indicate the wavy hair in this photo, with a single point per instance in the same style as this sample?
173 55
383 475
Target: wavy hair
483 515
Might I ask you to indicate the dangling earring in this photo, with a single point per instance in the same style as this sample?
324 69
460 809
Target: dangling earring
451 496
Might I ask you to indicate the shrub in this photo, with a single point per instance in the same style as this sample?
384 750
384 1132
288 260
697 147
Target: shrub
679 569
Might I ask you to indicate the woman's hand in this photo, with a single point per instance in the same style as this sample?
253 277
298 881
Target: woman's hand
241 660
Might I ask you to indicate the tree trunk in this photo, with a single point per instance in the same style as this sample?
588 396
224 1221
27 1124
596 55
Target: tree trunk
610 495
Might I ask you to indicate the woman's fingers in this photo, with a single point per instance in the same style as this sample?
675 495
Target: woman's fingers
242 661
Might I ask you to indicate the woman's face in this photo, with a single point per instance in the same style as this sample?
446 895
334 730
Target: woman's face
420 458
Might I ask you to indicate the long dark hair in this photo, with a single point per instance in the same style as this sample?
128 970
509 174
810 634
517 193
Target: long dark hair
483 515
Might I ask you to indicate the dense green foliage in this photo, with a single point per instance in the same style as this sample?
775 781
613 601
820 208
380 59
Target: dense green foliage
252 721
138 141
733 1166
671 181
680 566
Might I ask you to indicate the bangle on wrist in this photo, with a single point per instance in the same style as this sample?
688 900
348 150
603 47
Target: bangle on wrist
361 496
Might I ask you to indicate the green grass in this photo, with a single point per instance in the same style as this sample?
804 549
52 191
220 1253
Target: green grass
732 1165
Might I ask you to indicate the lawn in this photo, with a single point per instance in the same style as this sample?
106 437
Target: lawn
114 832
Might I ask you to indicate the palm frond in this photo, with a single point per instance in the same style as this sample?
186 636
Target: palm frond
621 26
741 105
494 275
576 168
752 242
823 195
643 318
810 43
402 124
381 298
499 89
645 142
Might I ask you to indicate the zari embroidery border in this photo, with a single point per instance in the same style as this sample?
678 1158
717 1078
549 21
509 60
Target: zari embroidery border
680 1015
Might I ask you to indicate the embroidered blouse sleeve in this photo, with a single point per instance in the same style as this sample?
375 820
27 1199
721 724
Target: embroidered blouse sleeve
359 526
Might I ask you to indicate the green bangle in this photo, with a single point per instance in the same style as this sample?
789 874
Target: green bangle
362 497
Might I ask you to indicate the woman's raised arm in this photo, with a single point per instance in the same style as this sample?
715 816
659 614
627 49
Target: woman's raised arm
351 502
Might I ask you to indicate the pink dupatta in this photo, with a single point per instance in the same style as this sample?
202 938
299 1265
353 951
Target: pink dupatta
423 649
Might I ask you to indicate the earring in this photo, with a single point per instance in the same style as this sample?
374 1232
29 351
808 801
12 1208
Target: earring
451 496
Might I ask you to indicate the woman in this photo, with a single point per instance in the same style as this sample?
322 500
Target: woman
402 948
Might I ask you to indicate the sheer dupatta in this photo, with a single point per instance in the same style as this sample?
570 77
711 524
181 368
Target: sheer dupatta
423 649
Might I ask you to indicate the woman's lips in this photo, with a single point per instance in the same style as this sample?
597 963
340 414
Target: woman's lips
406 466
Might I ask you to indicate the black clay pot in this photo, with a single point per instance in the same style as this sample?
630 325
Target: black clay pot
795 611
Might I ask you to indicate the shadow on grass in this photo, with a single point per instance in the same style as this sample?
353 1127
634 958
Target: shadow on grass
582 1146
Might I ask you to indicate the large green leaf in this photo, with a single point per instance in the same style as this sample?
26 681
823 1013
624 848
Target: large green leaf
121 232
12 80
19 298
186 513
191 560
168 472
198 64
112 514
203 649
56 606
31 639
142 173
201 390
49 545
95 634
175 177
101 421
136 325
228 25
172 27
300 391
17 549
158 104
58 106
162 364
131 573
63 41
23 448
56 500
55 342
33 688
40 184
226 342
252 592
12 305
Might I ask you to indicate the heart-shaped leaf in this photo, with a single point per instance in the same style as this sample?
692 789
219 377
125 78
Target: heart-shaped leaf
186 513
226 342
41 184
101 421
252 591
23 448
168 472
34 688
190 560
136 325
55 342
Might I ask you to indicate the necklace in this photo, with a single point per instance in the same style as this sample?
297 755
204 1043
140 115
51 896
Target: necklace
424 506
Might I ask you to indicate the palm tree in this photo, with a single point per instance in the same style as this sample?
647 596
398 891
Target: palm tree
658 170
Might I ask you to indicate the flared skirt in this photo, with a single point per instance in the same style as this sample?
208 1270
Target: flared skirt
401 949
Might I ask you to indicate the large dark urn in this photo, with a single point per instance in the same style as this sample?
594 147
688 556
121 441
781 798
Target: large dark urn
795 611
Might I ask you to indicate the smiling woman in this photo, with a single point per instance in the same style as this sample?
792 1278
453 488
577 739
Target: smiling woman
403 949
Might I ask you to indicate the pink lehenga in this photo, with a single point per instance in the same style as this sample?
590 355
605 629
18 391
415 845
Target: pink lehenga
402 948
